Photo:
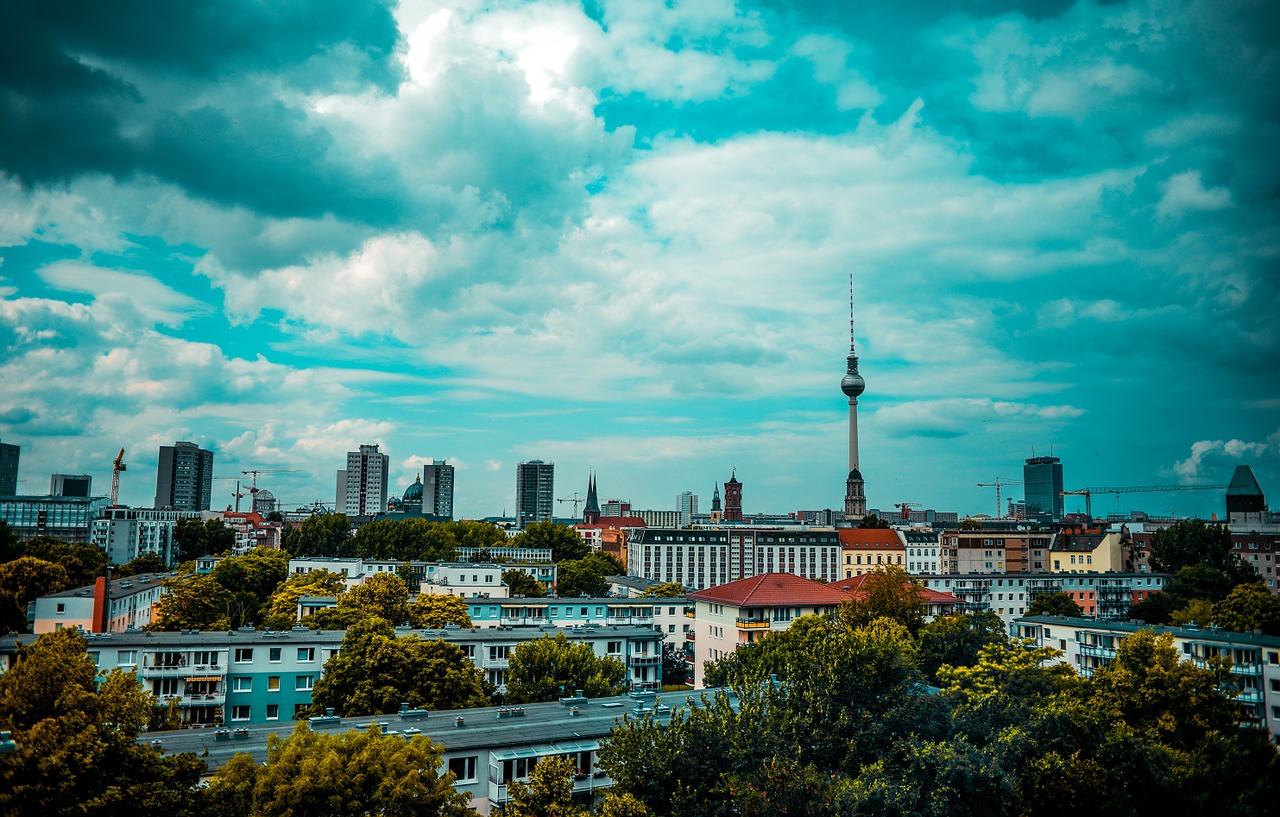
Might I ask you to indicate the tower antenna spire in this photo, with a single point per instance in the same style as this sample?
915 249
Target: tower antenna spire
851 312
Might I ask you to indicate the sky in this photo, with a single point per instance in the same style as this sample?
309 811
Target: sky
618 236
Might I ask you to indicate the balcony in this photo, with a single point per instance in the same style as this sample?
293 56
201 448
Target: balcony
496 663
640 620
688 613
751 623
642 660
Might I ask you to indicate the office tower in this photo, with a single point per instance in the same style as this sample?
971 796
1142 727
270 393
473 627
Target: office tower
362 485
9 469
1042 488
70 485
437 488
535 492
184 477
733 499
687 505
855 495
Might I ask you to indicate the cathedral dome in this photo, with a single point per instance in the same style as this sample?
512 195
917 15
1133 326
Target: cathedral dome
414 492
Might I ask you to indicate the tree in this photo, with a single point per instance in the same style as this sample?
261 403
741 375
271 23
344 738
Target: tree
76 750
957 641
1197 612
404 540
145 563
435 611
521 583
22 581
564 541
587 576
327 534
354 774
888 592
10 547
83 563
549 792
382 596
192 602
1249 607
196 538
665 590
1054 604
970 524
675 669
1192 542
375 671
550 668
873 521
280 611
1012 670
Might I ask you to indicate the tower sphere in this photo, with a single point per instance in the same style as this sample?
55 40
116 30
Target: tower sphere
852 384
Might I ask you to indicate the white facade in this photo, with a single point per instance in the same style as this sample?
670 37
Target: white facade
700 558
124 534
466 580
362 486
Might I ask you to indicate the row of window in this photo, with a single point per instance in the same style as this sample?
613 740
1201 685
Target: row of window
244 655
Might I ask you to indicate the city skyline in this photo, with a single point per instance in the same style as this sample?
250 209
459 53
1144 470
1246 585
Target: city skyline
619 238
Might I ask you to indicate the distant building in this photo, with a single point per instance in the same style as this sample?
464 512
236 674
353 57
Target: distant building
184 477
9 455
535 492
1009 595
264 502
1246 503
437 488
1042 487
687 505
662 519
92 609
71 485
717 514
124 534
733 499
591 511
699 558
362 485
69 518
869 549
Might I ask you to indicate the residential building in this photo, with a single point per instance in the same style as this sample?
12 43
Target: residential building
535 492
666 616
362 485
1042 487
505 554
69 518
437 485
184 477
687 506
125 605
124 534
924 551
661 519
440 574
9 456
1105 595
992 550
866 550
80 485
467 580
1086 552
252 530
699 558
1088 645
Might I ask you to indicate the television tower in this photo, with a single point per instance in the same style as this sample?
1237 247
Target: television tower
855 497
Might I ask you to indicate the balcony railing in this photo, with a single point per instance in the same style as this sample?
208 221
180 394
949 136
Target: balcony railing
644 660
752 623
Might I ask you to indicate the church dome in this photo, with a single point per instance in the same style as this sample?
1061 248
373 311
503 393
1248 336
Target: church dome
414 492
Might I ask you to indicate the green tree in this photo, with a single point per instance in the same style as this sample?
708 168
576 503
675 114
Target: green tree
549 792
587 576
665 590
434 612
1054 604
327 534
1013 670
22 581
1249 607
564 541
196 538
931 779
675 669
76 750
10 547
145 563
354 774
970 524
1197 611
873 521
383 596
521 583
195 602
83 563
957 641
1193 542
888 592
280 612
405 540
549 668
472 534
375 671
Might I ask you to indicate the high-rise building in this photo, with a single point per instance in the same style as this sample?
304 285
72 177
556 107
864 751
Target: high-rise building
362 485
70 485
535 492
9 454
184 477
855 495
733 499
1245 501
437 488
687 505
1042 488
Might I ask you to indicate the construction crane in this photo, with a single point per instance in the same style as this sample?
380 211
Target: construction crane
575 499
253 489
116 468
1088 493
906 507
998 484
236 494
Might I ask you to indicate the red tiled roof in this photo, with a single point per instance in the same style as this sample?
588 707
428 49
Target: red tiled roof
869 538
773 590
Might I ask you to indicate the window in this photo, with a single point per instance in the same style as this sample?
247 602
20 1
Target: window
306 653
464 768
614 648
273 712
62 608
240 712
242 683
305 683
274 655
127 657
273 683
94 655
244 655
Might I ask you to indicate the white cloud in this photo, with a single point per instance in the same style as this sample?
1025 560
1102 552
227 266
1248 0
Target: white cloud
1202 451
1185 192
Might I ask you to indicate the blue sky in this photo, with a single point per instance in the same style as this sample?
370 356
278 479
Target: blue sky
618 236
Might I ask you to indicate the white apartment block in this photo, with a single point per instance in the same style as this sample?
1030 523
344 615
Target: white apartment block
701 558
124 534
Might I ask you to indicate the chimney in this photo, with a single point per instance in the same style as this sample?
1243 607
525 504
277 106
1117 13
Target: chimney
100 605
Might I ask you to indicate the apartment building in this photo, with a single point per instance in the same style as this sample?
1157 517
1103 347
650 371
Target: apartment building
924 551
867 549
126 604
995 551
1104 595
702 558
